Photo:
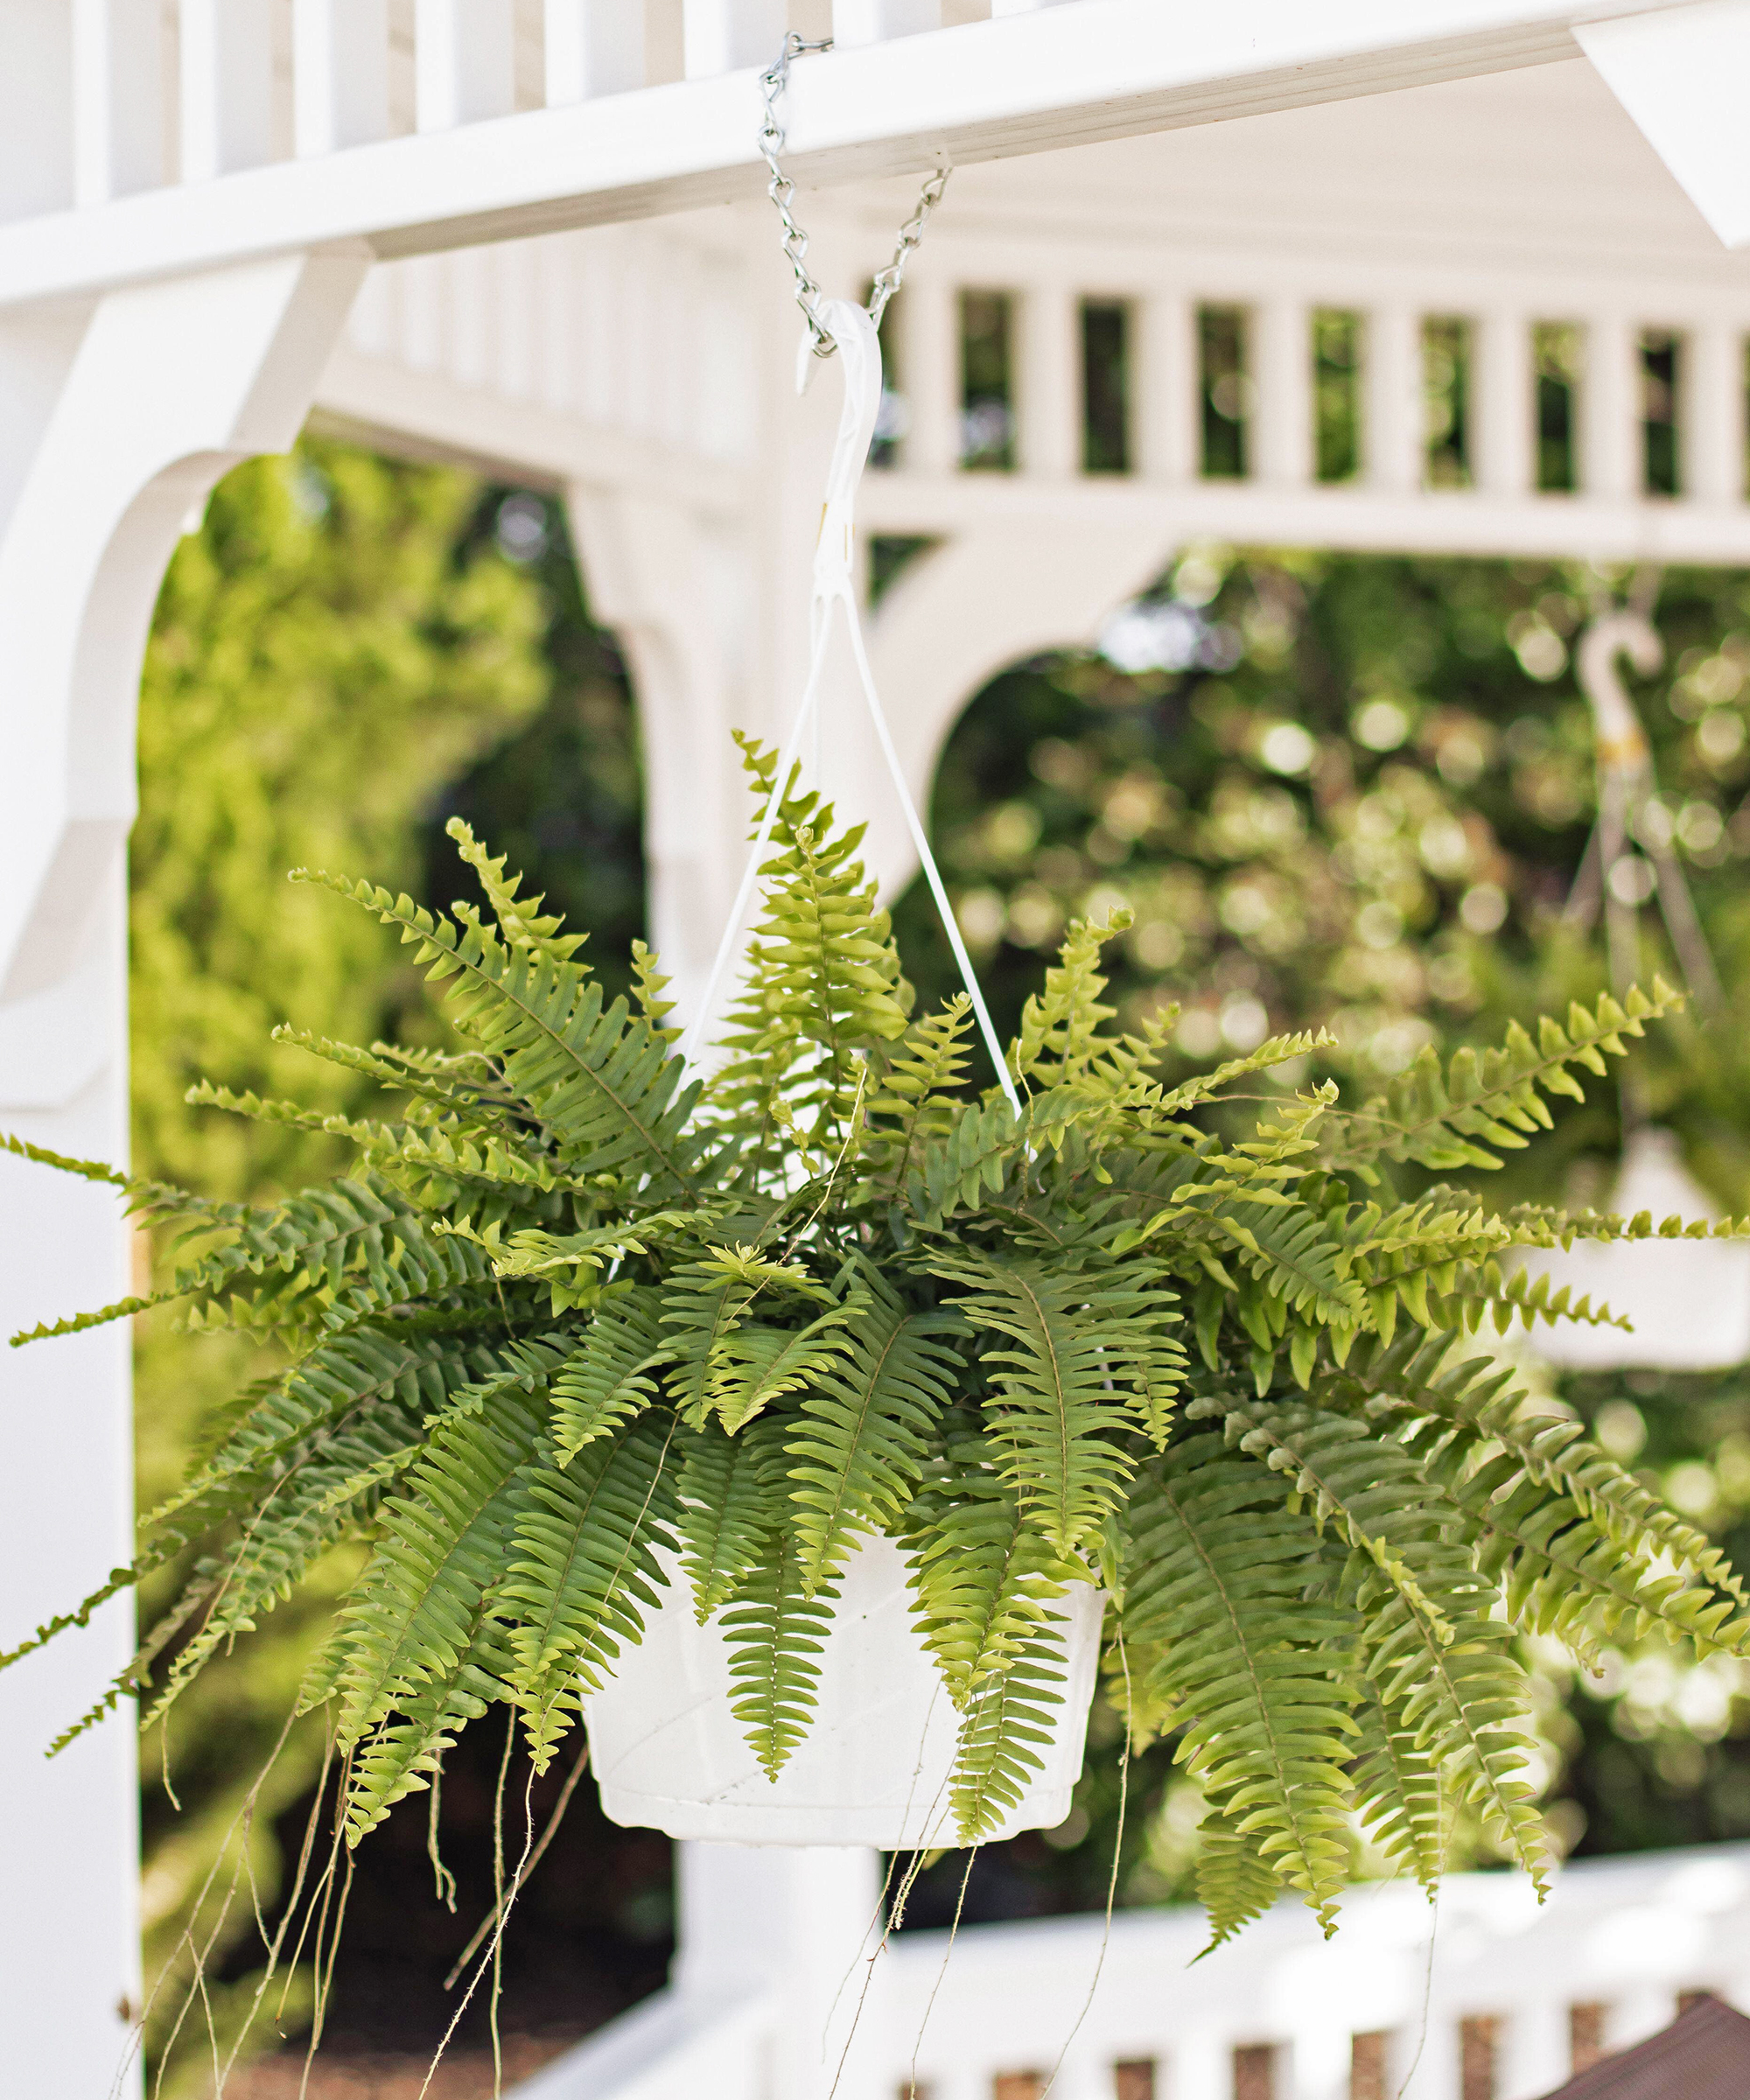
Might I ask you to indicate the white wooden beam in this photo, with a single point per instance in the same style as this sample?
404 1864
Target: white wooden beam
1058 76
593 47
1682 74
226 87
117 98
464 62
339 66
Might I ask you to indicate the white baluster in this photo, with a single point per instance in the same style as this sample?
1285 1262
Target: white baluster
1533 2056
1610 410
1318 2062
1164 388
340 71
1639 2013
226 87
1283 415
118 138
593 47
1201 2066
1048 396
874 21
1712 411
1503 420
722 35
464 62
1396 436
930 313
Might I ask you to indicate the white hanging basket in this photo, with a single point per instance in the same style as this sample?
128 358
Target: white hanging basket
1689 1300
668 1754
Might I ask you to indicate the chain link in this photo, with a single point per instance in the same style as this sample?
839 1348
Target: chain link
782 190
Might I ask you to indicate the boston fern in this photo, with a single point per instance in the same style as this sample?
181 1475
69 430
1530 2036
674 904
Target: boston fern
578 1321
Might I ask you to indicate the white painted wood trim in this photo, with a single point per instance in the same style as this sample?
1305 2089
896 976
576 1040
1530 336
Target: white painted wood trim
1056 76
1348 515
1681 74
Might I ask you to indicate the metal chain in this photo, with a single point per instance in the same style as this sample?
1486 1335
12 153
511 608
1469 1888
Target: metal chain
781 190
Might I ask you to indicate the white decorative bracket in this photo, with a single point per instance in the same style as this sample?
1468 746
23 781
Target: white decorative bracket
171 384
1682 75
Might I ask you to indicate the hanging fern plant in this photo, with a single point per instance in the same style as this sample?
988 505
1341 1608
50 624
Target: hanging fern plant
576 1313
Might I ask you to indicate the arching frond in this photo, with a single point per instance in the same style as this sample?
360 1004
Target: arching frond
1227 1588
583 1569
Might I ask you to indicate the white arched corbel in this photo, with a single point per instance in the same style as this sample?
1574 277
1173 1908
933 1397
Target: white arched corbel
956 616
116 431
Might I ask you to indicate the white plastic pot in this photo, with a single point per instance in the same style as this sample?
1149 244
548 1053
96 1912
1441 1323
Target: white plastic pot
1689 1300
668 1754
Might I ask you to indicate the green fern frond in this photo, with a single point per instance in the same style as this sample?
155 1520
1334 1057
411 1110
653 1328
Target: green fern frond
732 1501
608 1381
757 1364
1477 1107
601 1082
400 1757
1004 1733
649 992
1054 1421
775 1633
445 1540
584 1569
519 919
1236 1883
1398 1794
863 1431
1060 1025
913 1102
1223 1584
1371 1494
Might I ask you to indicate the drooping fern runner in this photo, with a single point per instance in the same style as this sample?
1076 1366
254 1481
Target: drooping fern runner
575 1312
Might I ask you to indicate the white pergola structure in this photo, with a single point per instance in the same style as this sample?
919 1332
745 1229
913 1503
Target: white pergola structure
532 236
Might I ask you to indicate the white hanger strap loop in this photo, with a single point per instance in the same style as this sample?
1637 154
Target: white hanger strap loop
860 347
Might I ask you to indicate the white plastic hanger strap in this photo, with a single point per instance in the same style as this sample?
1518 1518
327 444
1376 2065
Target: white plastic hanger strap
835 587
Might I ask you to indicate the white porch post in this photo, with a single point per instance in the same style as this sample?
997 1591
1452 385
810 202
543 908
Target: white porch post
114 433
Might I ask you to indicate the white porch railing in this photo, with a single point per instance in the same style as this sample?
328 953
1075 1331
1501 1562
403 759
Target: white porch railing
1514 1997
